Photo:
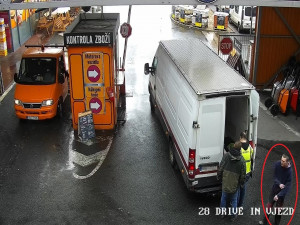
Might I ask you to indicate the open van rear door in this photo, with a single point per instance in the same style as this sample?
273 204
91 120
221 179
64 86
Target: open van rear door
210 135
254 108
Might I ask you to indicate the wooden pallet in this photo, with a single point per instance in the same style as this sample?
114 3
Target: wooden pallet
59 25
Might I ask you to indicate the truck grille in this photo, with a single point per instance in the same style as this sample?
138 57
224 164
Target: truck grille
32 105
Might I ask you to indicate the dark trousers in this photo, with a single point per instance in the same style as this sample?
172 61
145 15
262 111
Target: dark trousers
278 204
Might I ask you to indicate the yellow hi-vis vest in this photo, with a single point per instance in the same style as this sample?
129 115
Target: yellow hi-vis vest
247 154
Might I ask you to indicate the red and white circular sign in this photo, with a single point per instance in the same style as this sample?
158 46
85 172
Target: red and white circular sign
125 30
95 105
226 46
93 73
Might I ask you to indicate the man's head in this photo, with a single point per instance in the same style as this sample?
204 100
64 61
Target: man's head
237 145
236 150
285 161
243 136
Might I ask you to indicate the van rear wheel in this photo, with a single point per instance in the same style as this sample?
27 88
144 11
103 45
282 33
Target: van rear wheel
152 105
172 159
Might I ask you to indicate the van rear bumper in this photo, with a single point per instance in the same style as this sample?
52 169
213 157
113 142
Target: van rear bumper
42 113
204 185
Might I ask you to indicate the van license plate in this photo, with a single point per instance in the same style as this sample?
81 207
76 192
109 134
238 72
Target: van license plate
32 118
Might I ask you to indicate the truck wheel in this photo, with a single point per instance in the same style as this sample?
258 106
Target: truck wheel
172 154
269 102
287 111
59 111
274 110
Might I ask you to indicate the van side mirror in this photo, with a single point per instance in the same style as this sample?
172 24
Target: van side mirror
61 78
67 73
16 79
146 69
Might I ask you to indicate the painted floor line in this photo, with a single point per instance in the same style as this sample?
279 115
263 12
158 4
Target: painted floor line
104 153
279 121
6 92
84 160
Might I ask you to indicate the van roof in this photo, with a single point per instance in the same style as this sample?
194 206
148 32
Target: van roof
37 52
204 70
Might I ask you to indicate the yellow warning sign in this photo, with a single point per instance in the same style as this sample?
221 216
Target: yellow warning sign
93 67
95 99
94 91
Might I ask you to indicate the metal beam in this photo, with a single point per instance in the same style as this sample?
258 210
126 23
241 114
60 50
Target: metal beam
7 5
295 54
257 43
287 25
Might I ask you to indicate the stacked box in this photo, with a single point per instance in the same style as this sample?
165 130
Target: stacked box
3 45
220 20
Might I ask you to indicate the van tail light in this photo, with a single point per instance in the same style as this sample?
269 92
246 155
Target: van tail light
251 143
191 165
110 93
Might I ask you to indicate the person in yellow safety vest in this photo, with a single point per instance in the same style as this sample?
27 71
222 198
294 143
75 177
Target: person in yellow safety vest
247 153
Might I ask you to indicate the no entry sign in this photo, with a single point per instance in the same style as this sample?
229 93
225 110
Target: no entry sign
226 46
125 30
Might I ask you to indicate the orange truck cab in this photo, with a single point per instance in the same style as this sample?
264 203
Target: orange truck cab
41 84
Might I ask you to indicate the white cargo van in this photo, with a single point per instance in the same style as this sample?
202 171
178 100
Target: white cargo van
241 17
201 101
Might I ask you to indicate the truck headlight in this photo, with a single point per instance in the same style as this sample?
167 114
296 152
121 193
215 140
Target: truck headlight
47 102
18 102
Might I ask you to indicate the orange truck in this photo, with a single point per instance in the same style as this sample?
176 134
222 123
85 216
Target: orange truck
92 43
41 84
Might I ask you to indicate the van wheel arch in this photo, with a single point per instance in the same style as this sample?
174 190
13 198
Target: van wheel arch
172 158
59 111
239 27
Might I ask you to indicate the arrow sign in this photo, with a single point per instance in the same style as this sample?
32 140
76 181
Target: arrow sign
93 73
95 105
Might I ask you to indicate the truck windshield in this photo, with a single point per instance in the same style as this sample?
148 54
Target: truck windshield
37 71
248 11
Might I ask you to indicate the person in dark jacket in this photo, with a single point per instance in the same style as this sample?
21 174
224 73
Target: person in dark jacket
232 171
283 174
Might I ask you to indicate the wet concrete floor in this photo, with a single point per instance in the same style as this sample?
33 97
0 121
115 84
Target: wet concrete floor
41 184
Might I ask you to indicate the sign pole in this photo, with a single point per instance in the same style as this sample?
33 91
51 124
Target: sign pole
122 88
126 39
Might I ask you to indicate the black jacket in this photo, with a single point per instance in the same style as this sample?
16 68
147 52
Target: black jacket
232 171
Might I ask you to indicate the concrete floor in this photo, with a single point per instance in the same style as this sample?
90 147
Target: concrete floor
41 184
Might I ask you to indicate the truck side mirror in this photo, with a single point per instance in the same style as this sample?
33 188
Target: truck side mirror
16 79
146 69
61 78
